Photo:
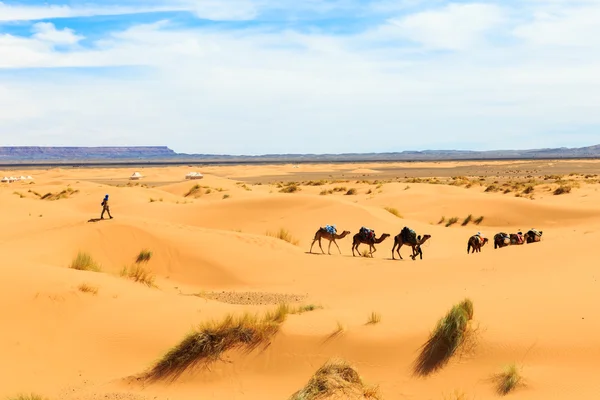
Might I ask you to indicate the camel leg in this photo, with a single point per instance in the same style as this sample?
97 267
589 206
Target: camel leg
321 246
355 246
399 255
393 248
329 248
311 245
373 250
336 245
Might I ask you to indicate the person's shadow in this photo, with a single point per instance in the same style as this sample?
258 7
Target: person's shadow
95 220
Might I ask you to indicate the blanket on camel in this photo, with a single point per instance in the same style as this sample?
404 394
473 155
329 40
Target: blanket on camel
409 236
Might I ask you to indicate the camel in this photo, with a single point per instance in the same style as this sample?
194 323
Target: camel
531 237
416 247
358 239
323 234
514 240
476 242
501 240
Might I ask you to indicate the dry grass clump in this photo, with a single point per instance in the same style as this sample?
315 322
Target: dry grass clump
492 188
305 308
393 211
65 194
374 318
449 334
195 191
85 288
467 220
144 256
27 397
139 273
85 262
563 189
325 192
336 378
21 195
207 344
442 220
451 221
340 189
351 192
508 380
478 220
284 235
290 188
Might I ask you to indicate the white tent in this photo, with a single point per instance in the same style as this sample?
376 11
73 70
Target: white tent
194 175
5 180
29 178
135 176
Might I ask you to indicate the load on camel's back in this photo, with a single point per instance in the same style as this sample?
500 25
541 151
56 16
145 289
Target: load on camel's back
533 235
367 233
331 229
409 236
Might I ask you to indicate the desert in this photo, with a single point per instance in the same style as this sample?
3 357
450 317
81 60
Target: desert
207 288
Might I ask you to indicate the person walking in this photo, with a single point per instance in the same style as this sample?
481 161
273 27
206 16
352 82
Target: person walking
105 208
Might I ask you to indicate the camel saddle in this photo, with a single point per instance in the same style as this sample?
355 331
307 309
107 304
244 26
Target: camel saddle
330 229
366 233
409 236
534 232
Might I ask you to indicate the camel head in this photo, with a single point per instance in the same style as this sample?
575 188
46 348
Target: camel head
383 237
485 240
346 233
425 238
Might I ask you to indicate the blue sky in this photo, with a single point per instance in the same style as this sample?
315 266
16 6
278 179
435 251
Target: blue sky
312 76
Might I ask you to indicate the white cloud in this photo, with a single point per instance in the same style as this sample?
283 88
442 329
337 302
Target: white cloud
454 27
47 32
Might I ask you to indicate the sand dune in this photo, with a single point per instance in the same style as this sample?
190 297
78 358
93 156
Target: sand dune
534 305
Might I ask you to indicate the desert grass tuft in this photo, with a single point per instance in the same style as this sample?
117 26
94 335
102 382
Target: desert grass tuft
305 308
285 235
195 191
144 256
374 318
451 221
336 378
508 380
351 192
85 288
139 273
85 262
31 396
393 211
563 189
467 220
207 344
478 220
449 334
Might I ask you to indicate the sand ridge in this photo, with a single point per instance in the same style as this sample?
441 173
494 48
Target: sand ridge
213 255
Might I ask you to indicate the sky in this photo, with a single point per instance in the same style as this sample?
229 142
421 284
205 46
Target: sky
310 76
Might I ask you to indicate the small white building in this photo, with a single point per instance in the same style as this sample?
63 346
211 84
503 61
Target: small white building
136 176
194 175
5 180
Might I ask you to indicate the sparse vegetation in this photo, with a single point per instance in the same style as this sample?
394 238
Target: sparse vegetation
449 334
508 380
284 235
85 262
290 188
85 288
442 220
374 318
139 273
65 194
27 397
563 189
305 308
451 221
144 256
206 344
195 191
479 220
393 211
226 196
336 377
467 220
351 192
21 195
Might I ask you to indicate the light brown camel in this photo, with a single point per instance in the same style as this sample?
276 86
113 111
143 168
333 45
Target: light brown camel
476 242
501 239
323 234
358 239
416 247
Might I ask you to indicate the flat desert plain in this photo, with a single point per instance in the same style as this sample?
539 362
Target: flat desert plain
206 289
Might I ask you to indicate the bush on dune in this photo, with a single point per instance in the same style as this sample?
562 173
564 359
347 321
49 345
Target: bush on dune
285 235
207 344
449 334
508 380
85 262
27 397
336 377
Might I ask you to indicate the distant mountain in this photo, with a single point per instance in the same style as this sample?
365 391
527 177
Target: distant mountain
162 154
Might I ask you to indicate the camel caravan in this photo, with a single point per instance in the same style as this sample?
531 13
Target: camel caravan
408 237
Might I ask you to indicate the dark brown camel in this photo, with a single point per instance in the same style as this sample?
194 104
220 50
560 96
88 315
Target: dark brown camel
323 234
476 242
514 240
358 239
531 237
416 247
501 240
